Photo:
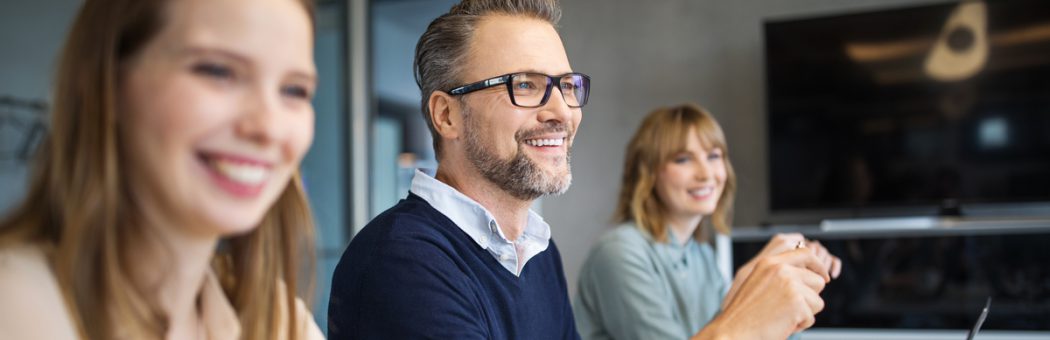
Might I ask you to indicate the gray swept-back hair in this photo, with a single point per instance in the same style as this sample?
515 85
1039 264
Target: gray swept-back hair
441 51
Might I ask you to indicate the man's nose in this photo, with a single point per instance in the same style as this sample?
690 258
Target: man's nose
556 109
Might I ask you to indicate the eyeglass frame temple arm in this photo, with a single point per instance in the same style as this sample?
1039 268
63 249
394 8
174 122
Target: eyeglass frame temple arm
481 85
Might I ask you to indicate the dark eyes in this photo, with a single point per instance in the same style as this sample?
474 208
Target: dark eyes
713 156
213 70
296 91
525 85
528 85
222 72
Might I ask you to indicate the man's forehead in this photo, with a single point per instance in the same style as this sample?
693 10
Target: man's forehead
504 44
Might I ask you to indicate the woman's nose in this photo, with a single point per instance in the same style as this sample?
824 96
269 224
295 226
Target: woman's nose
259 121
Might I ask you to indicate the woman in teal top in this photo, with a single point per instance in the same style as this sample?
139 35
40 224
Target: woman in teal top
656 276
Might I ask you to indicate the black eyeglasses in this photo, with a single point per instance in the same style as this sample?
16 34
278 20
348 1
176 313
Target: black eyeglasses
525 88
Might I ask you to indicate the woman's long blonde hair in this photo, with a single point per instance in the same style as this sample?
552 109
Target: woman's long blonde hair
78 207
661 137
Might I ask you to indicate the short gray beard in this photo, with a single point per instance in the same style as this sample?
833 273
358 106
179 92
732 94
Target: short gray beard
518 176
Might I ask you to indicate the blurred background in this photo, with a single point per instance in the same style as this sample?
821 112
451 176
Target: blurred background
911 136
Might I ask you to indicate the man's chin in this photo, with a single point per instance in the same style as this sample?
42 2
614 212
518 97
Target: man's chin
551 165
563 189
559 183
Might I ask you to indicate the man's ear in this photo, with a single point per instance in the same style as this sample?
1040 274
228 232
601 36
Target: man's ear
446 115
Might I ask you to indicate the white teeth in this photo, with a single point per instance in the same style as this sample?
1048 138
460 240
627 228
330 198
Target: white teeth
241 173
545 142
701 192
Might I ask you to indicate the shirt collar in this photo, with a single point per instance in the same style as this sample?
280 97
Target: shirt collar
478 223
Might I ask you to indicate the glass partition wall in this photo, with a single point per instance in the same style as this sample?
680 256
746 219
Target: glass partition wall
370 134
325 168
400 139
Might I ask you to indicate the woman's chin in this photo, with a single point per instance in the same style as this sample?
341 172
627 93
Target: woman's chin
234 221
231 229
231 216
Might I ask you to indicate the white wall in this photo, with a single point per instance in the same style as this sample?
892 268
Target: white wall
644 54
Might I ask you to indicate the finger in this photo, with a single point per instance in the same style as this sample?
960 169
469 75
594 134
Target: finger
810 279
791 238
817 248
836 268
829 262
782 242
832 263
822 253
814 304
813 301
807 322
804 258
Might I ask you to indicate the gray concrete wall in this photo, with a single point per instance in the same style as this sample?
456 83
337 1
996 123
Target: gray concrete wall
644 54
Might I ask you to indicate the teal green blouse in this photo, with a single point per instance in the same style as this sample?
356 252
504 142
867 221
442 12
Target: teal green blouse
632 287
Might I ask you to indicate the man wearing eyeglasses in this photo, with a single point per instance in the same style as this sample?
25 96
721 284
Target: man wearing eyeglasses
463 257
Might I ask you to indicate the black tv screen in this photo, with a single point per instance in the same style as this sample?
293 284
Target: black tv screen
910 107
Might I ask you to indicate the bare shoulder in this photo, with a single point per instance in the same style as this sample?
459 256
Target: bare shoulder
33 306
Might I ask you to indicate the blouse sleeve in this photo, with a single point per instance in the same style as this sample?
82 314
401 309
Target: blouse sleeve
624 296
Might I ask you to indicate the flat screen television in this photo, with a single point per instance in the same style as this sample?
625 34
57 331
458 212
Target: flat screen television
921 107
938 280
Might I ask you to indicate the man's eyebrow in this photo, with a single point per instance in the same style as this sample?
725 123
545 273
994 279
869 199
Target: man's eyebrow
532 70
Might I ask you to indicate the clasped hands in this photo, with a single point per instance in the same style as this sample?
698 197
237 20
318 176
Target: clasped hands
776 293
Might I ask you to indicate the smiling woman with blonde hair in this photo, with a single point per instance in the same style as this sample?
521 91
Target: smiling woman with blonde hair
665 137
656 276
166 202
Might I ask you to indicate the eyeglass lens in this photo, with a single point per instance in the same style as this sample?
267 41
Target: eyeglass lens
531 89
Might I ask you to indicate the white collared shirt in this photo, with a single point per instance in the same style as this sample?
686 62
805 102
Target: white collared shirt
481 226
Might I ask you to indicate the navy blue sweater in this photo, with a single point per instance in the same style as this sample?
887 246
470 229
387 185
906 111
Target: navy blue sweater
411 273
